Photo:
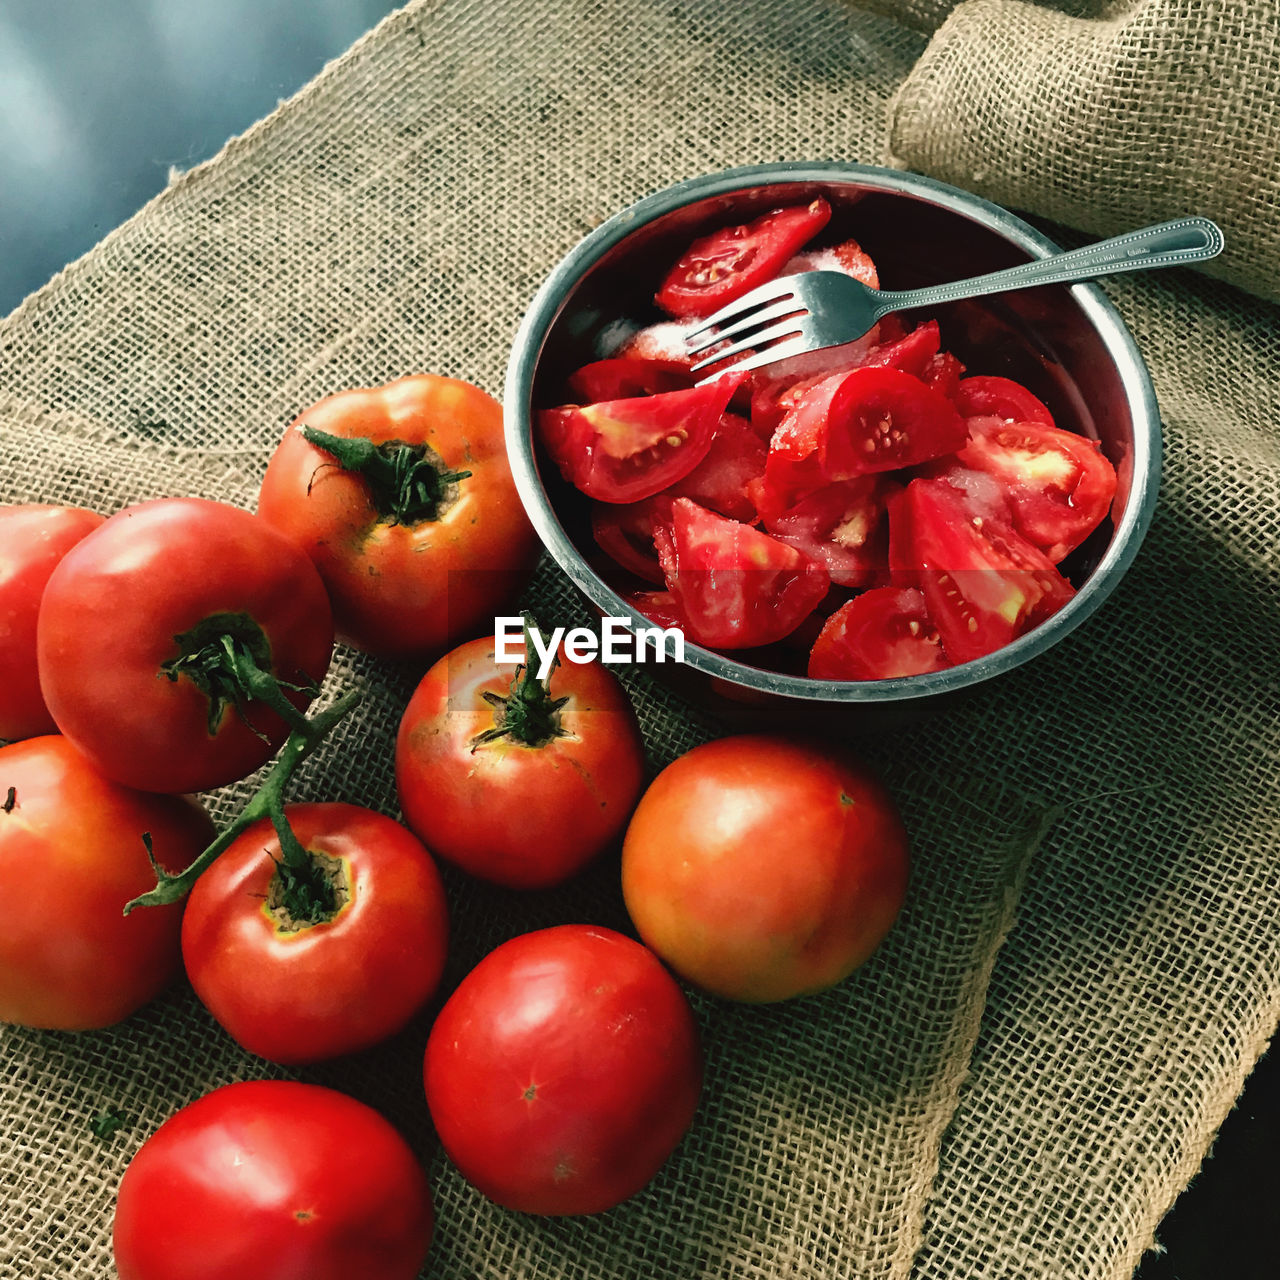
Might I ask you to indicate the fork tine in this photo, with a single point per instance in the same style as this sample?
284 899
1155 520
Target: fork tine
752 342
770 291
787 307
796 346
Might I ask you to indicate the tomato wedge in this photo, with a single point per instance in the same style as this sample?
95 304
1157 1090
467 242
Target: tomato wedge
871 419
883 633
735 586
842 526
621 377
1058 485
624 532
625 450
983 396
728 263
983 583
657 606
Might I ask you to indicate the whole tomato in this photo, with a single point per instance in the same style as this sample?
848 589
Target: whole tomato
563 1071
167 637
33 539
71 856
301 965
273 1180
761 868
403 497
516 780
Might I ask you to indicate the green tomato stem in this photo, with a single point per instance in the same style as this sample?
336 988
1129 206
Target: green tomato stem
408 483
526 713
266 802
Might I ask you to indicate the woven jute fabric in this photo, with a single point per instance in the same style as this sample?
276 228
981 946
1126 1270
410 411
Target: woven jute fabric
1108 114
1031 1068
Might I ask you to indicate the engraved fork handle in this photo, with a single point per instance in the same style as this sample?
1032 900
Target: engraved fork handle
1167 244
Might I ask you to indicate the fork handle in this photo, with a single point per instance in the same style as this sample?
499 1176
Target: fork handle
1167 244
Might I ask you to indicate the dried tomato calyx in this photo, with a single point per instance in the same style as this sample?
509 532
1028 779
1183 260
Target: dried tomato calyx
310 892
227 656
408 483
526 713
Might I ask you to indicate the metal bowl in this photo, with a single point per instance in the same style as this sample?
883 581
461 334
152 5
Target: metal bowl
1065 343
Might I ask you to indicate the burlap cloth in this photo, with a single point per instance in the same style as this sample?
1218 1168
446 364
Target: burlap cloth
1033 1066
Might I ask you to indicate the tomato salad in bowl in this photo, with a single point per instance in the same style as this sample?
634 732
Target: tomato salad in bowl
908 514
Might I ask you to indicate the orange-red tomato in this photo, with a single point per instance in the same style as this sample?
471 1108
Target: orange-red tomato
71 856
297 991
414 554
525 814
273 1180
33 539
563 1070
762 868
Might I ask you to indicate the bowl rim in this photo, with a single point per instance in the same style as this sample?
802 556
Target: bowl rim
551 298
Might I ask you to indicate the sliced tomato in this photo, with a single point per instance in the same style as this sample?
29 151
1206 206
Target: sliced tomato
720 481
735 586
621 377
625 450
842 525
657 606
984 396
883 633
624 532
1059 485
848 257
943 373
983 583
727 263
871 419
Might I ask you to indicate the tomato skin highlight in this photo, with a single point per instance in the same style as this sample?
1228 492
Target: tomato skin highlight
71 856
33 540
563 1071
111 617
405 589
318 991
521 816
273 1180
763 868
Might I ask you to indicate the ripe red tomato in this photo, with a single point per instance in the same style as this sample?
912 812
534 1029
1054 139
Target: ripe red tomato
416 529
529 806
273 1180
984 396
625 450
762 868
563 1071
71 856
33 539
135 631
727 263
297 973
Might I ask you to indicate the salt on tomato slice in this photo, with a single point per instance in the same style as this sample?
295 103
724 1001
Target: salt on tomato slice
619 378
625 450
735 586
881 634
848 257
984 396
983 583
871 419
1059 485
728 263
943 373
841 525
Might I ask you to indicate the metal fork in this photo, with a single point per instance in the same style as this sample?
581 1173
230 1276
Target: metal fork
818 309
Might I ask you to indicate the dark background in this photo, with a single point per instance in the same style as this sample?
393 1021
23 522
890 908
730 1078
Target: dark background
100 99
